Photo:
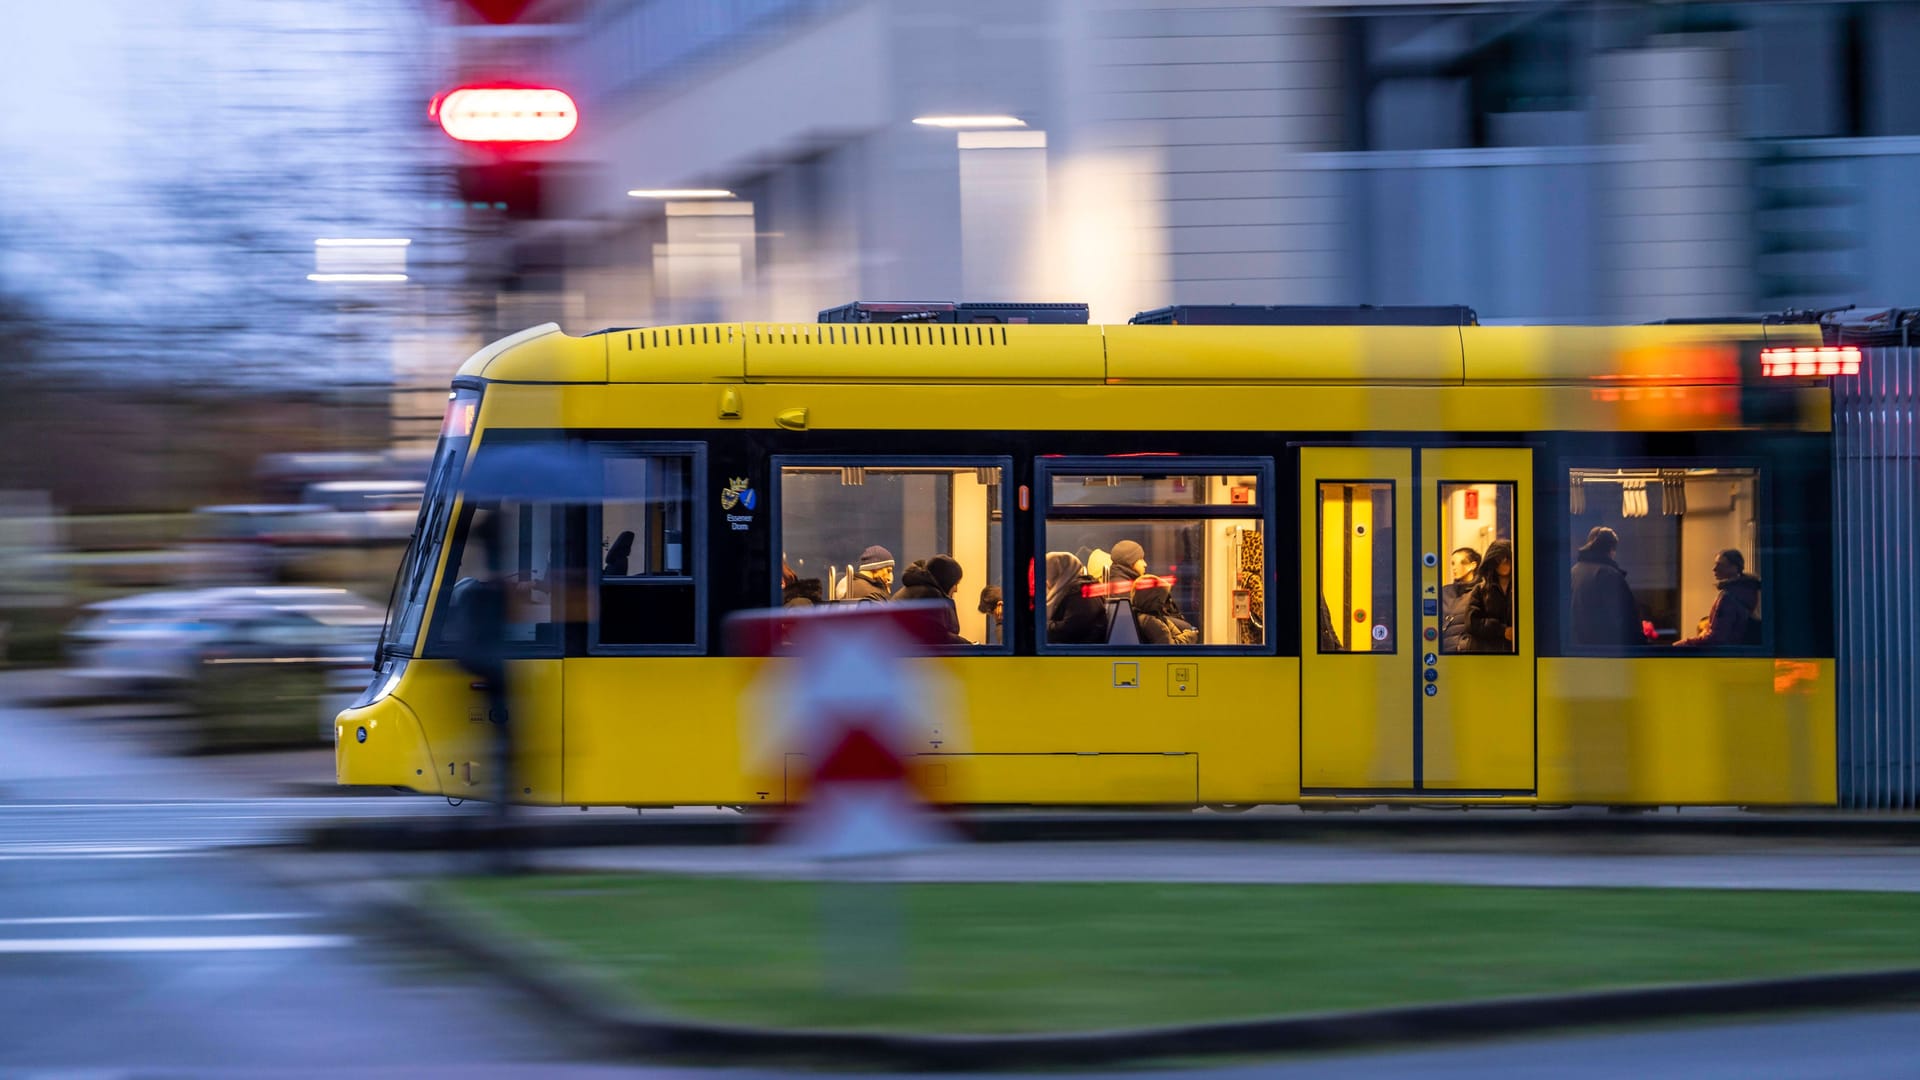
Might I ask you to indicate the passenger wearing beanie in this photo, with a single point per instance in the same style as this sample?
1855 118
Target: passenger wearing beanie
874 578
1156 615
935 579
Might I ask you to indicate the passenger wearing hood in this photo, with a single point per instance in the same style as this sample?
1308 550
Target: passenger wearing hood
1604 614
1735 618
935 579
1490 608
1073 616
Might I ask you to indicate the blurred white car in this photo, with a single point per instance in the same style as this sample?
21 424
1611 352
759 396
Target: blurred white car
161 640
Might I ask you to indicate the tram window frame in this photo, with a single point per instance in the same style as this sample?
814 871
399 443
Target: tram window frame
1320 486
1763 542
1263 509
1451 543
441 643
776 508
693 539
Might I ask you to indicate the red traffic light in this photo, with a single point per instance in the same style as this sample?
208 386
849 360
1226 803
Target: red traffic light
506 114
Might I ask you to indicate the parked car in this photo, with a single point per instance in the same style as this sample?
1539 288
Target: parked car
163 640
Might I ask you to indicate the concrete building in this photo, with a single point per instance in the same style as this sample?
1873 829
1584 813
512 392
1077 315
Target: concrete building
1534 160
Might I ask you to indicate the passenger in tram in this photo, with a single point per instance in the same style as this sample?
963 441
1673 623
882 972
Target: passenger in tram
1463 565
936 579
1735 618
1490 609
1156 615
1074 615
619 555
1603 606
873 579
993 606
796 591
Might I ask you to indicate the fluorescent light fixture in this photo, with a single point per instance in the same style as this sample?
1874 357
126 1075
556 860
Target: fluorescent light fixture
970 121
1003 140
357 277
680 193
353 242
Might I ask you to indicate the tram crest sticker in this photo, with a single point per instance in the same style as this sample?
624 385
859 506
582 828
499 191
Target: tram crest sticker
738 496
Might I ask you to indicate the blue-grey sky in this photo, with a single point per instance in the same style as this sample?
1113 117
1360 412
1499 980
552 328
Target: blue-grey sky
165 166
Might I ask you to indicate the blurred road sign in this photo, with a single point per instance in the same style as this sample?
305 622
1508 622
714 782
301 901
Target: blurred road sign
850 710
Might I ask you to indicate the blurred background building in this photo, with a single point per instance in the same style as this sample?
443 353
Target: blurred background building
1537 160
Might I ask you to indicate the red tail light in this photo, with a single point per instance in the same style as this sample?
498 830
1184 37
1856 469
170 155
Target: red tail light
506 114
1825 360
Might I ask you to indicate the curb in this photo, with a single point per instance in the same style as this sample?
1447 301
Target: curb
722 830
721 1044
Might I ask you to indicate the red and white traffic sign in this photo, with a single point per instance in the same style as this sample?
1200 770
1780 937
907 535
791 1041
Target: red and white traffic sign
851 707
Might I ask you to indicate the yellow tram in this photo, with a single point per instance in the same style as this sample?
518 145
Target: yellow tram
1262 525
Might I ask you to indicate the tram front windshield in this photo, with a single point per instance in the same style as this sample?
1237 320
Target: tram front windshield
410 592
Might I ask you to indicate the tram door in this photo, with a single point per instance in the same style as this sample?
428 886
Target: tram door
1401 688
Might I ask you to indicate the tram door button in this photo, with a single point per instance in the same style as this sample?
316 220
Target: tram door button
1183 680
1431 634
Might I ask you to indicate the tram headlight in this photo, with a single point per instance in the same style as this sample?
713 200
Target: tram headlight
383 684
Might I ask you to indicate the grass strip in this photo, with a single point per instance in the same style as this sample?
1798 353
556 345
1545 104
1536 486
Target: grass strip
1005 958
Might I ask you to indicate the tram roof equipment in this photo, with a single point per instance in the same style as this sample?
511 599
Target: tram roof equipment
944 311
1307 315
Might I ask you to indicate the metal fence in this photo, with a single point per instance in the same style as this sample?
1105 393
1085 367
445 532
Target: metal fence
1877 618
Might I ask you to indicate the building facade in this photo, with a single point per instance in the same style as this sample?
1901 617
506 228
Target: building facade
1537 161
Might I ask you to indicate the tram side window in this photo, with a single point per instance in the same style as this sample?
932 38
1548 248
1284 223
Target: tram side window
1482 560
876 532
1356 566
526 539
1137 559
1664 556
645 593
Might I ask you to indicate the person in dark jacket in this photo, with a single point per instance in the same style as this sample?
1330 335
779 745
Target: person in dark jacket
936 579
1603 607
619 554
873 579
796 591
1156 615
1074 616
1735 618
1490 608
482 609
993 606
1464 566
